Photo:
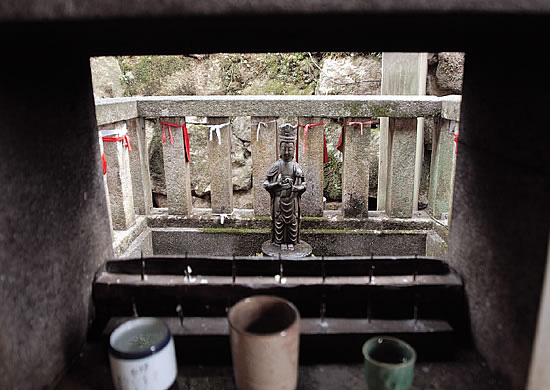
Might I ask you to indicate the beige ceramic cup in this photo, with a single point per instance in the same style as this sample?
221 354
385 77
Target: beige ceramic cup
265 337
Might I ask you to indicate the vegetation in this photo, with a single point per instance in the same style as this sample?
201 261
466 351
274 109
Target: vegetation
246 74
143 75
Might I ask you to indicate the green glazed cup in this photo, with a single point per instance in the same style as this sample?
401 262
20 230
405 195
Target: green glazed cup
389 363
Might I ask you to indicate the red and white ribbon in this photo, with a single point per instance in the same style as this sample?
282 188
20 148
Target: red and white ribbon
113 135
116 135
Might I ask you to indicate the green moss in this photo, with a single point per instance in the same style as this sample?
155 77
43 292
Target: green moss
313 218
376 111
234 230
360 231
262 217
143 75
269 74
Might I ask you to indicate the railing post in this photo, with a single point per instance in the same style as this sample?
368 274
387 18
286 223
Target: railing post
402 74
443 151
312 163
264 153
355 180
139 167
219 154
401 163
176 168
119 181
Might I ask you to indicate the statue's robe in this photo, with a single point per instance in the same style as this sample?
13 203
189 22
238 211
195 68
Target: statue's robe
285 204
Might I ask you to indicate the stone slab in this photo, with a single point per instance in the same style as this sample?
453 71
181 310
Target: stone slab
219 154
264 153
402 74
119 181
355 180
176 170
139 167
400 182
312 163
436 246
440 191
258 105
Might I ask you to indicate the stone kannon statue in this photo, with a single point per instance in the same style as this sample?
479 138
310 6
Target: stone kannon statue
285 183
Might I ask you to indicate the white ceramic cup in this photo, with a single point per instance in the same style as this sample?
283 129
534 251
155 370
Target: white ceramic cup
142 355
265 337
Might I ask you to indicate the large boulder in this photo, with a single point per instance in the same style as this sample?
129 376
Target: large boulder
352 75
106 76
445 72
201 77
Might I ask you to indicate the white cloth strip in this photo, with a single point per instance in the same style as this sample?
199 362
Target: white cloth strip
217 128
264 124
113 132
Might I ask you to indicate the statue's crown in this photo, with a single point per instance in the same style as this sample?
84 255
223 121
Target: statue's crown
287 133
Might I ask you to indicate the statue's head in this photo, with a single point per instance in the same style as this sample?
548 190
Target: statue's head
287 142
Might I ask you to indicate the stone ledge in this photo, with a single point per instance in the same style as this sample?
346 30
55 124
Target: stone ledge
115 110
123 239
450 107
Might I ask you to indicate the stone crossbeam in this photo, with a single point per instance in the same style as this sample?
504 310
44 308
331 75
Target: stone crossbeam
118 109
324 106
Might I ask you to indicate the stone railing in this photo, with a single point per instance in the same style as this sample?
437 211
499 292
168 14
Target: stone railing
128 180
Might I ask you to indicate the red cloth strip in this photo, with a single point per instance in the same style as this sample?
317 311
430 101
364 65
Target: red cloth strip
186 143
185 137
116 139
456 142
325 153
306 127
104 163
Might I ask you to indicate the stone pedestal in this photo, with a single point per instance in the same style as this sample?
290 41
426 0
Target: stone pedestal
176 169
139 167
355 180
119 180
312 162
219 154
400 181
302 249
264 153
